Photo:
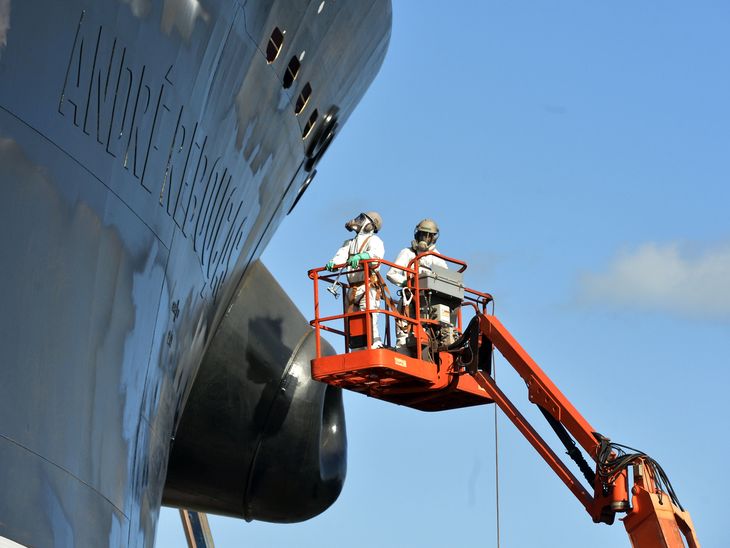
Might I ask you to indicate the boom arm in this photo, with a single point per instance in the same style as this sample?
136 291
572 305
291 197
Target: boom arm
654 520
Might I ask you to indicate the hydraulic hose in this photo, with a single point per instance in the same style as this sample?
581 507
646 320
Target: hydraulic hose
572 449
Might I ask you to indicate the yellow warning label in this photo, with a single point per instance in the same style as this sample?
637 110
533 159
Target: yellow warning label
401 362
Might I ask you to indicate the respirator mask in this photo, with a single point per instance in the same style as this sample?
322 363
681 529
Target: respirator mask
424 241
358 223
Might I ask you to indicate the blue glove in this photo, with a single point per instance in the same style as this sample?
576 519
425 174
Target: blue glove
355 259
330 266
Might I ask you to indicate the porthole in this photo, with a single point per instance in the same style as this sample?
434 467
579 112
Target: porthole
292 69
274 47
310 124
303 98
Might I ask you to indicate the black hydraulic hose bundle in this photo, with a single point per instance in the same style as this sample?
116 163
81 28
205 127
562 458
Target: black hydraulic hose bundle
458 343
467 336
612 460
481 353
609 466
571 448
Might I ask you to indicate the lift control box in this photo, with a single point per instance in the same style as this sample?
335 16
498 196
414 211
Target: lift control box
442 280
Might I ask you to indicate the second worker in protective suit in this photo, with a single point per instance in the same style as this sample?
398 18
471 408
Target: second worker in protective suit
424 239
365 245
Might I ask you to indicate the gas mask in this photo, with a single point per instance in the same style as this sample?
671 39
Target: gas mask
359 223
424 241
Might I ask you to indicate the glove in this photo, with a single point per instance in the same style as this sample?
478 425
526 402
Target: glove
404 283
355 259
330 266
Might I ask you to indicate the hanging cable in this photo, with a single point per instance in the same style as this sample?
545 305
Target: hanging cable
496 448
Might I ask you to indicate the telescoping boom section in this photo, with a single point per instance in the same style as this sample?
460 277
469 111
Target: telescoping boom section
440 361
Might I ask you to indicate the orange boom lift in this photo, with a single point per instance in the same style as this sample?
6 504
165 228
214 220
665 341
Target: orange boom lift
445 365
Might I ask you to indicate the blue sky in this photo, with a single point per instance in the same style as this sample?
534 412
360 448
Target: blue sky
577 157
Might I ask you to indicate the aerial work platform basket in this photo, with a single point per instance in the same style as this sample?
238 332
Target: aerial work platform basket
429 373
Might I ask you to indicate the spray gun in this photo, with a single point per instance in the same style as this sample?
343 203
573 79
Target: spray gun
334 288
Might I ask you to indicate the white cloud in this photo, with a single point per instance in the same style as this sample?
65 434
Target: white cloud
673 277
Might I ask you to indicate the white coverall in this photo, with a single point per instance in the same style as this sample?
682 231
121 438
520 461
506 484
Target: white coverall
364 242
397 276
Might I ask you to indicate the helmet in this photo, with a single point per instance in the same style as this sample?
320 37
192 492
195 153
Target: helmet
376 220
425 235
427 225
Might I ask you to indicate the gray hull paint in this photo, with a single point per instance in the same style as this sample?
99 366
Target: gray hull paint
147 154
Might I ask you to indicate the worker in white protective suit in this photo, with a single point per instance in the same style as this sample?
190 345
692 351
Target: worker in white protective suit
365 245
424 239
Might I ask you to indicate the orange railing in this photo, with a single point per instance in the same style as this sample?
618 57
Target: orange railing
370 270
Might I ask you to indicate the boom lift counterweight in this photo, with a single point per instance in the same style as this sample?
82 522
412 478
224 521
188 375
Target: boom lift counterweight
447 367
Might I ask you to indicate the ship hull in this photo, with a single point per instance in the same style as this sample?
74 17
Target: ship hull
148 152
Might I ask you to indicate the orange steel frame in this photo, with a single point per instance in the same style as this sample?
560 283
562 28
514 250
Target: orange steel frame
652 521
